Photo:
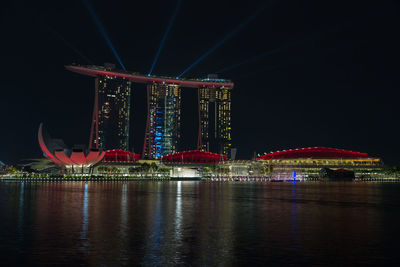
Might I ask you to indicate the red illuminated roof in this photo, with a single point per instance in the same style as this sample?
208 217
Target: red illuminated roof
315 153
118 155
95 71
64 156
193 156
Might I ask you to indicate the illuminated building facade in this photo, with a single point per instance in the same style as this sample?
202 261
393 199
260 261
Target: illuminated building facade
307 162
110 124
163 120
75 159
193 157
215 120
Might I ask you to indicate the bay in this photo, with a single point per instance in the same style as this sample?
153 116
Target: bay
198 223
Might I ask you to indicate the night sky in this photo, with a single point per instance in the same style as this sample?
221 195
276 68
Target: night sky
331 78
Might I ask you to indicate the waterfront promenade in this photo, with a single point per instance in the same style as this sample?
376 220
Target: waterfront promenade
258 179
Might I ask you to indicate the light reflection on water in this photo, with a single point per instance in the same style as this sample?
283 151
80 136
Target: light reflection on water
85 213
293 220
198 223
21 209
178 217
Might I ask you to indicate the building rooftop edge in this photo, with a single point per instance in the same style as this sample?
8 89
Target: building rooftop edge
94 70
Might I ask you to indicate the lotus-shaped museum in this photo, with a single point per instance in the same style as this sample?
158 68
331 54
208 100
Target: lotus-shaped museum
59 153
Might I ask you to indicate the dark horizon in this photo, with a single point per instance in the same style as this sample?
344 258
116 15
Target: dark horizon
305 74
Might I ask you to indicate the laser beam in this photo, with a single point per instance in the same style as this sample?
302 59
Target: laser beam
171 21
249 60
79 53
269 52
225 38
102 31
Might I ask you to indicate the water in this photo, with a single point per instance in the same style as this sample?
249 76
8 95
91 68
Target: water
198 223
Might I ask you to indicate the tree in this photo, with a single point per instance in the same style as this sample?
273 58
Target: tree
145 167
394 170
115 170
268 169
133 169
12 170
206 170
164 171
103 169
153 167
214 169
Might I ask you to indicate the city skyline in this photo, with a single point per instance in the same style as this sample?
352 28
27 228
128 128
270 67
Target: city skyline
199 133
330 82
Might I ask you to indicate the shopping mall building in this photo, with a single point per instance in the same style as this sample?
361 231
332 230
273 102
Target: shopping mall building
306 163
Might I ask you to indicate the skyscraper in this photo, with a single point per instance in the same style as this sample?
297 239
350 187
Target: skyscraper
215 120
163 120
110 124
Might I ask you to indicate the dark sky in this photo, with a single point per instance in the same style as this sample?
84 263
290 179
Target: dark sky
332 79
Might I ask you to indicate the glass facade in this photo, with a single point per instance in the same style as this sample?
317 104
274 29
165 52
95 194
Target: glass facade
163 120
111 113
321 163
215 120
309 168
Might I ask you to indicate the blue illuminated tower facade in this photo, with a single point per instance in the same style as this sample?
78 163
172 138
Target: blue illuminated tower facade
163 120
